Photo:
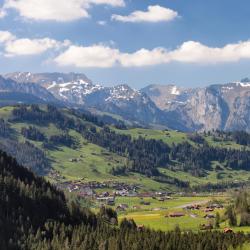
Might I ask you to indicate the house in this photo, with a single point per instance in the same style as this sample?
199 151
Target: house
175 215
111 202
193 207
209 216
122 207
228 230
140 227
146 203
207 210
108 200
136 207
156 209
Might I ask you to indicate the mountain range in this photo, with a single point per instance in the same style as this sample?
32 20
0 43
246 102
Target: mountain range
223 107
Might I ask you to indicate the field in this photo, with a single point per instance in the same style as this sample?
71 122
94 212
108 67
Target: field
156 214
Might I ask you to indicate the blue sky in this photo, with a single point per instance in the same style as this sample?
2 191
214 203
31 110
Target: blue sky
190 43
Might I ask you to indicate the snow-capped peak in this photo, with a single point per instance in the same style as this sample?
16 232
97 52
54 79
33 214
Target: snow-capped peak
175 91
122 92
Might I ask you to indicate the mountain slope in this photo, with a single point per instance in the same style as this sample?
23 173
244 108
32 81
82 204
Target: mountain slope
32 89
223 107
66 145
45 79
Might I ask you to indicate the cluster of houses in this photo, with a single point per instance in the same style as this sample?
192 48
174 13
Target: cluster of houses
88 188
55 175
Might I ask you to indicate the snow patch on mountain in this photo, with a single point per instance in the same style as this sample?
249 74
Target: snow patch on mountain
175 91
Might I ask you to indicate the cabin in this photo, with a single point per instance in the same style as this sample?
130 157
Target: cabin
207 210
140 227
227 230
108 200
175 215
136 207
122 207
146 203
209 216
193 207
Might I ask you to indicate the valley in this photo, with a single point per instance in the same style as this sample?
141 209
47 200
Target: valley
97 176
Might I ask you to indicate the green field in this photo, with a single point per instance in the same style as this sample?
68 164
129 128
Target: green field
156 215
156 219
168 137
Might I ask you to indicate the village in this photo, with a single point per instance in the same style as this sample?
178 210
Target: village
131 201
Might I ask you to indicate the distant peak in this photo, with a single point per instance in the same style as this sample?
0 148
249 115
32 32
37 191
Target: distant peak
245 80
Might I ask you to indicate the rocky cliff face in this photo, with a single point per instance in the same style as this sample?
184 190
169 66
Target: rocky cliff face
224 107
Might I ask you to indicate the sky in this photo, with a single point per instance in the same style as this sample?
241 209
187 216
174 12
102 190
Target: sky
137 42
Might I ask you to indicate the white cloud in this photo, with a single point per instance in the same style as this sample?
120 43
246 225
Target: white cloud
144 57
102 23
115 3
56 10
83 57
189 52
25 46
154 14
6 36
195 52
2 13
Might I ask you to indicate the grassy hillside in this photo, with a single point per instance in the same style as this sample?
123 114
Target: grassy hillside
87 162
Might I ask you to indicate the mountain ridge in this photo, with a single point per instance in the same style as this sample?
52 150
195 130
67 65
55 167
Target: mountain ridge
224 107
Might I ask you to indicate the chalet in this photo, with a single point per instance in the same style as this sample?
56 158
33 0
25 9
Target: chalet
156 209
193 207
136 207
228 230
122 207
209 216
140 227
107 200
146 203
207 210
175 215
193 215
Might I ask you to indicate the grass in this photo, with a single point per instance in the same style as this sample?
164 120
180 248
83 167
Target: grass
168 137
157 219
224 144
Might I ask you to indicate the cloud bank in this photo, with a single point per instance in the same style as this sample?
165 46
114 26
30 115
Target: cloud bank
189 52
106 56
